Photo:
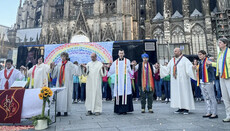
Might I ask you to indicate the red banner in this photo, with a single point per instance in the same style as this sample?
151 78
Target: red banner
11 105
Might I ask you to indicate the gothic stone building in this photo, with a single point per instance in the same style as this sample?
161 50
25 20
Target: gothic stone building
188 24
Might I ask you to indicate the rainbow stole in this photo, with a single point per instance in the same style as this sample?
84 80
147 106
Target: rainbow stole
32 81
124 82
224 72
49 77
175 66
204 73
147 78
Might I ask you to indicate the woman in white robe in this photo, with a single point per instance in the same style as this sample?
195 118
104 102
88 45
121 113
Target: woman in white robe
40 72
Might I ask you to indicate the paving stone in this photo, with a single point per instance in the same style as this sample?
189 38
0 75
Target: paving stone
163 119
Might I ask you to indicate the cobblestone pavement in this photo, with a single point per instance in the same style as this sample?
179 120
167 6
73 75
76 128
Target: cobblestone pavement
163 118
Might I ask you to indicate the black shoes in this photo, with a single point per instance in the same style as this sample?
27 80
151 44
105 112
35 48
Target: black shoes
186 112
89 113
142 110
182 111
150 110
213 117
179 111
207 116
210 116
58 114
65 114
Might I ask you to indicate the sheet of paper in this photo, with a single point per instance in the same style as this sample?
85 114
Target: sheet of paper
19 84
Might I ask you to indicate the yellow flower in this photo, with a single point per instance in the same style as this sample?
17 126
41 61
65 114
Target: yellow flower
50 90
50 93
46 94
41 96
45 88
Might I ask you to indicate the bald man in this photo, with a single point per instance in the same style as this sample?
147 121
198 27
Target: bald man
180 70
94 71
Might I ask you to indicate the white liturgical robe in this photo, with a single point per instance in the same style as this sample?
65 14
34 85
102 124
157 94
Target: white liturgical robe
181 90
16 75
40 75
121 73
64 98
94 73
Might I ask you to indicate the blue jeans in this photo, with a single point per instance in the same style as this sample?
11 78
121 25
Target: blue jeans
104 89
83 91
197 92
196 89
158 88
167 89
112 90
75 90
218 90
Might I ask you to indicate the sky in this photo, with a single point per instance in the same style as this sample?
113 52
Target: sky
8 12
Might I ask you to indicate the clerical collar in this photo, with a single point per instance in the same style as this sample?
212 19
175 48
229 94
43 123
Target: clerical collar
121 59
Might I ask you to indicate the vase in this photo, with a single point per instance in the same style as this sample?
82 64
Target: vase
41 125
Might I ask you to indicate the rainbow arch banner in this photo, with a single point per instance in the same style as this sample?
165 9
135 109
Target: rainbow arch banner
79 52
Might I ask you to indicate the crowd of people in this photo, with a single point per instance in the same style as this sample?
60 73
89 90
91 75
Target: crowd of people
178 81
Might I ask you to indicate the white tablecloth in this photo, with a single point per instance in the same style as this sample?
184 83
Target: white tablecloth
32 105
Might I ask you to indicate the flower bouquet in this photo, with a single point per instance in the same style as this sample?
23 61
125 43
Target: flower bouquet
40 122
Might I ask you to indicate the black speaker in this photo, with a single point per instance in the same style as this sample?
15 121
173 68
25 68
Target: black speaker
22 55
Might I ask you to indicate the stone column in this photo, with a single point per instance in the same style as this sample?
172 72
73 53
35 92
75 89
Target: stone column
66 9
96 36
208 28
187 24
45 11
128 21
148 19
167 15
120 21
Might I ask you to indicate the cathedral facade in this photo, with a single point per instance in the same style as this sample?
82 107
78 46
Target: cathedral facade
188 24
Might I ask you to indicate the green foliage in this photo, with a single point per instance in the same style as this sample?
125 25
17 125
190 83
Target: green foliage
40 117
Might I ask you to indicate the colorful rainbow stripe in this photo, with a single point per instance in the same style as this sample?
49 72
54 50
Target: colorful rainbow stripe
225 74
124 84
204 73
147 78
79 51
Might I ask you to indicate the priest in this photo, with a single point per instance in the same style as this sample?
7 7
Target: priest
64 72
94 71
181 70
9 75
39 74
122 86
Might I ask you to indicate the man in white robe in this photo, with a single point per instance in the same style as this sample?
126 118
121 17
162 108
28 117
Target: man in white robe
39 74
181 70
9 75
94 71
122 87
64 72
